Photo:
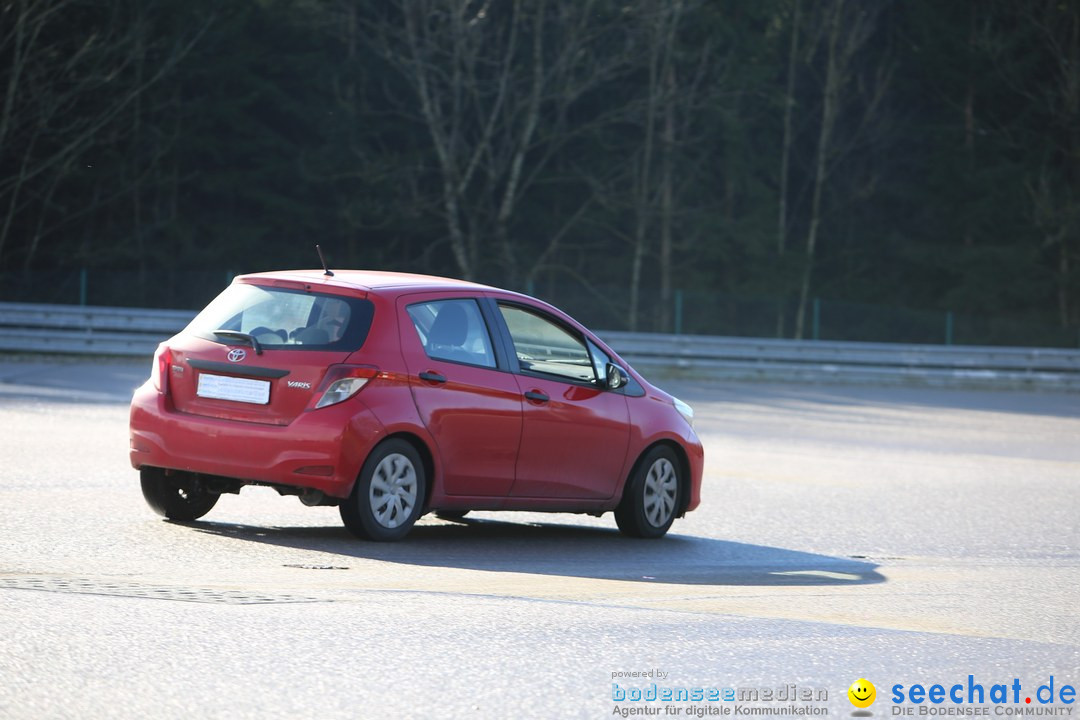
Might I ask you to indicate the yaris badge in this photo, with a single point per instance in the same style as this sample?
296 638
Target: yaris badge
237 355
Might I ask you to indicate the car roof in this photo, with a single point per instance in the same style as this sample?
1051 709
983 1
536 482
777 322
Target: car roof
369 280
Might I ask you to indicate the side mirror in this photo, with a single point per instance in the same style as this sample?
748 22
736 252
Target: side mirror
616 377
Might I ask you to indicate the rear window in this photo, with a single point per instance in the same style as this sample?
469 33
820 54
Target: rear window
287 319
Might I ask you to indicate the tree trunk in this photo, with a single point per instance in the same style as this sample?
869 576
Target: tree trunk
136 144
532 118
667 172
442 140
667 201
644 184
828 120
969 114
785 161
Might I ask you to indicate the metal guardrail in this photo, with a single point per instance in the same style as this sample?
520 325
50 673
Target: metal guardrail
86 329
92 330
817 360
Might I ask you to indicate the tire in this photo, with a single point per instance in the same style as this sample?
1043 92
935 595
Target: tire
177 497
389 495
652 495
451 514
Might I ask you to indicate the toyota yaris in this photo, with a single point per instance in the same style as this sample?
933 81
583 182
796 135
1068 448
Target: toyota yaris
392 395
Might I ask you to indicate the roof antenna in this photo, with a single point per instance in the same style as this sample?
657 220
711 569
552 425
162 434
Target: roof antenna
326 270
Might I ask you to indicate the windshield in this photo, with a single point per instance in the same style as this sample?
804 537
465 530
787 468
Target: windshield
286 319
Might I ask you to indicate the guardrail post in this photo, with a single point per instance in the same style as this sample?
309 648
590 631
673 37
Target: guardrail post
678 312
948 327
82 286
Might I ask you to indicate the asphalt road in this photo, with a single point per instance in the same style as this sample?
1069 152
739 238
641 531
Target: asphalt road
901 535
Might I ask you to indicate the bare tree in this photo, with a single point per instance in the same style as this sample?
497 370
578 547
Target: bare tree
60 94
1055 191
845 26
661 27
785 155
672 94
494 85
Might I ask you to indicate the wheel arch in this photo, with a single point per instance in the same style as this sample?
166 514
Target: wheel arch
684 470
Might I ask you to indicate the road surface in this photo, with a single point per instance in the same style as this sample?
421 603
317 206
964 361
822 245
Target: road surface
906 536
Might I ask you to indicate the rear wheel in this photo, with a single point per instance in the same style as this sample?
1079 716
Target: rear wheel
651 497
387 498
180 496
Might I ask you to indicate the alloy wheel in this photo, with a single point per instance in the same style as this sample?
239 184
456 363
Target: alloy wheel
661 487
394 490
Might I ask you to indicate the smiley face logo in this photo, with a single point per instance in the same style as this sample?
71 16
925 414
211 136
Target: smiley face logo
862 693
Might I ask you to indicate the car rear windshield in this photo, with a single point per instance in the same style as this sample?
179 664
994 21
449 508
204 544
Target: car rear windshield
284 319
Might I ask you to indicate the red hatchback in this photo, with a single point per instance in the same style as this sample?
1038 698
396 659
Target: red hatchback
391 395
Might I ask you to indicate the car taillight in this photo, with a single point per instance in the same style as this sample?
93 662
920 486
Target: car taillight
342 382
159 374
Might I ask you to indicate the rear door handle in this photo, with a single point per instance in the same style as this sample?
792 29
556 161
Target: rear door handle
432 377
536 396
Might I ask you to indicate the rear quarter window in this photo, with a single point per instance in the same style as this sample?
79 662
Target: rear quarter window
453 330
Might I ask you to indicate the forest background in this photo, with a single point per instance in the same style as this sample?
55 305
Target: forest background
842 169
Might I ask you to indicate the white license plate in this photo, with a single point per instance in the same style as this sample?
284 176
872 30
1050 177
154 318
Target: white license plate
221 387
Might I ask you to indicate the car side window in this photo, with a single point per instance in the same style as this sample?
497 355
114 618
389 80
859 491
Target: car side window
545 347
453 330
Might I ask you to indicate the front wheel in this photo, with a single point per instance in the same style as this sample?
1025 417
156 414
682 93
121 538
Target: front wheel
651 497
388 496
179 496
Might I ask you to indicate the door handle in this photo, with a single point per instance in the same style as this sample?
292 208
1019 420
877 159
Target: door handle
433 377
536 396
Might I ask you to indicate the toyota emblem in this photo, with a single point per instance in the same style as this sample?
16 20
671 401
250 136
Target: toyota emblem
236 355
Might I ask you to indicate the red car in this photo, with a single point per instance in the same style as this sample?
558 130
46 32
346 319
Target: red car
391 395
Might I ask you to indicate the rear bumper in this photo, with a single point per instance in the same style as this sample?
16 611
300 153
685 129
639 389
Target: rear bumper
322 449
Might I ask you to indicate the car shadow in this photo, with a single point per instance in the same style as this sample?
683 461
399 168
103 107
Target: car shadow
568 551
